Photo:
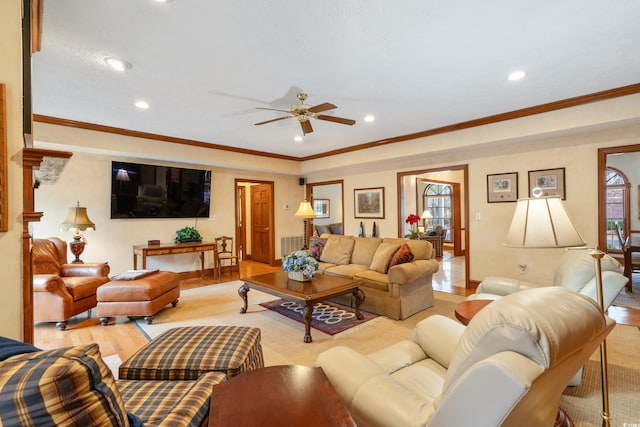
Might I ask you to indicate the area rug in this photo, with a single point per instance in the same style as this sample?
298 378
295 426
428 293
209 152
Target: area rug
328 317
630 299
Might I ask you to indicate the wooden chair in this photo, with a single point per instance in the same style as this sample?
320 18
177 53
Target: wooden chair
631 259
225 252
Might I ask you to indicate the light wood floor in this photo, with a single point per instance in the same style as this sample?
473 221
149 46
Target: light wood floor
124 338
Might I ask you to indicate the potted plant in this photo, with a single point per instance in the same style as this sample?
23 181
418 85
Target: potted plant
300 265
187 234
413 233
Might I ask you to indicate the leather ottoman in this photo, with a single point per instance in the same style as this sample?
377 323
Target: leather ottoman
143 297
185 353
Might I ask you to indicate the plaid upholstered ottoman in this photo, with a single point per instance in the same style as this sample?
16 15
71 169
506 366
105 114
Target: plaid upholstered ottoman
186 353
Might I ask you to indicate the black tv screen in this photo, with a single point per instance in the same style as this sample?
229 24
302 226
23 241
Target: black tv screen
150 191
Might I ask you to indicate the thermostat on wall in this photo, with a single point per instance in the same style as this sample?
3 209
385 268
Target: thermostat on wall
285 206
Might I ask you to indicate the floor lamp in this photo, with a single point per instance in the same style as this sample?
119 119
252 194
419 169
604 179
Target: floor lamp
305 211
543 223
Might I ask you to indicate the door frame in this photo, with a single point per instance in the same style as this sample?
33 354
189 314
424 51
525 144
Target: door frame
247 212
464 198
602 187
309 196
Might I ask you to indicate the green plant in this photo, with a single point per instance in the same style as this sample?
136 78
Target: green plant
187 234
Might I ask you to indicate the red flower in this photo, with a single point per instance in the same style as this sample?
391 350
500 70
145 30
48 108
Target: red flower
412 219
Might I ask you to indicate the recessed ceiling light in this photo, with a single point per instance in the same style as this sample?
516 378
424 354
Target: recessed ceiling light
369 118
517 75
298 138
143 105
117 64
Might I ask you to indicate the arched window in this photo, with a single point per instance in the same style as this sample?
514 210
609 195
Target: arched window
617 207
438 198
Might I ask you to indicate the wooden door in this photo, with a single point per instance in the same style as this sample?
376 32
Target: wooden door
262 223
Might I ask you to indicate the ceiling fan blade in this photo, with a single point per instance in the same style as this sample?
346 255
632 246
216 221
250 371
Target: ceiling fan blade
336 119
272 120
272 109
322 107
306 127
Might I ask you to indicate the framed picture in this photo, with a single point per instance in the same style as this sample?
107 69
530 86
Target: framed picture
369 202
549 181
321 208
502 187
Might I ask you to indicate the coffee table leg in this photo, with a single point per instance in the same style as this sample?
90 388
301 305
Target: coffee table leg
242 291
359 296
306 314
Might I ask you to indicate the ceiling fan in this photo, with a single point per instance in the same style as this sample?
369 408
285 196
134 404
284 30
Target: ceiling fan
304 112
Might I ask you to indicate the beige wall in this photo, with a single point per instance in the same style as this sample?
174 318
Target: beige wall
11 241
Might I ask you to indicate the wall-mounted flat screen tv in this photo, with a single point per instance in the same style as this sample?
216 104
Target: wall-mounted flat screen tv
151 191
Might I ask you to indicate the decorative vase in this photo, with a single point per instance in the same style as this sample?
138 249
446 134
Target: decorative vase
298 276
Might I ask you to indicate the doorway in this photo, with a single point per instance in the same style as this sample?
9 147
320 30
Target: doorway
408 202
255 231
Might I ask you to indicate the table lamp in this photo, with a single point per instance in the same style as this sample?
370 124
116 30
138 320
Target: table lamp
426 215
305 211
77 220
543 223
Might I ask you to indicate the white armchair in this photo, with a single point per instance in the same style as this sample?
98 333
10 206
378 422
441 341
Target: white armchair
575 272
508 367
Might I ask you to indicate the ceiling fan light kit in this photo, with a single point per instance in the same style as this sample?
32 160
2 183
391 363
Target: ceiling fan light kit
304 112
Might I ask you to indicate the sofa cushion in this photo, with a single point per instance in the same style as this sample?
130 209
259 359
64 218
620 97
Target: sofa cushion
322 229
68 386
373 279
316 246
336 228
363 250
337 250
382 257
9 347
45 257
402 255
347 271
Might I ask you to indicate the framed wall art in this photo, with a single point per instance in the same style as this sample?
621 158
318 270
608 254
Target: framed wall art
502 187
321 208
369 202
549 181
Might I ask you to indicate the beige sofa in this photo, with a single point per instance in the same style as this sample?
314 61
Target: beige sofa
397 291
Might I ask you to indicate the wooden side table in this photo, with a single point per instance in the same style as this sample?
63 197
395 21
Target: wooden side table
277 396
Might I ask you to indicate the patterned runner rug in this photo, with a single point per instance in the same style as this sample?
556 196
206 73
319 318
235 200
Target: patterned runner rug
328 317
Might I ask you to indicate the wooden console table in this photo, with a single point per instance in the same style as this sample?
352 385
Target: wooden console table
171 249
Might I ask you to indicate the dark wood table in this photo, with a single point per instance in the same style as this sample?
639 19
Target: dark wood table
320 288
171 249
465 310
278 396
631 245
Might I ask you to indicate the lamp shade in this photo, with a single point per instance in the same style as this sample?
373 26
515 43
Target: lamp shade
122 175
542 223
426 215
77 219
305 210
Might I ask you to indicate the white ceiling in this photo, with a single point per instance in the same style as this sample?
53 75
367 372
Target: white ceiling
203 65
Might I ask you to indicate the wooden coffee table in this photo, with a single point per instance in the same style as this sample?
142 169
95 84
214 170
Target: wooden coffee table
276 396
320 288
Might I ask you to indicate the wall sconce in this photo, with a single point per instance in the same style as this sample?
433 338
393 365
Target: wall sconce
77 220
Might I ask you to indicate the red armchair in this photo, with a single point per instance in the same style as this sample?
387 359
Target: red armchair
62 290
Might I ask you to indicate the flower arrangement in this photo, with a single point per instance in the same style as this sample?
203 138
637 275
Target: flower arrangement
300 261
412 220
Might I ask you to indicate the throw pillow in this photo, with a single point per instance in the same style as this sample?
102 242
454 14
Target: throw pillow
337 250
316 246
402 255
382 257
323 229
336 228
67 386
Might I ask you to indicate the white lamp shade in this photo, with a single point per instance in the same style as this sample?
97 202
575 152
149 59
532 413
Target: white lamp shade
305 210
77 219
426 215
542 223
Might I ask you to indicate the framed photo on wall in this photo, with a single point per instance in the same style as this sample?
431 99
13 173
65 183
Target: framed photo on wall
369 202
502 187
321 208
549 181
